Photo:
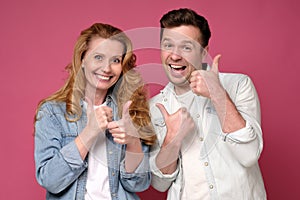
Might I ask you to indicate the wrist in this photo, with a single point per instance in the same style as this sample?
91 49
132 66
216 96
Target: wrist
217 94
91 131
134 145
172 141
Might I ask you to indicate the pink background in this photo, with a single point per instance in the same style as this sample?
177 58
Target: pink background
259 38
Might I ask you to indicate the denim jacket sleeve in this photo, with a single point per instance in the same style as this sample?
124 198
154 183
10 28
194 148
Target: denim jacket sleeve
140 179
57 159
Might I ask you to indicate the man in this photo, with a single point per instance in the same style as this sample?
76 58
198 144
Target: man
207 123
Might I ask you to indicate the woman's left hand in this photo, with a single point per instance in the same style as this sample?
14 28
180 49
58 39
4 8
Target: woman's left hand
123 131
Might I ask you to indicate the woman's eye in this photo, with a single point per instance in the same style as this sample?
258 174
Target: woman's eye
98 57
116 60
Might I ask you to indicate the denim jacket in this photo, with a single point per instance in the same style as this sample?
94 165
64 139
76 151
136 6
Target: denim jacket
230 160
60 168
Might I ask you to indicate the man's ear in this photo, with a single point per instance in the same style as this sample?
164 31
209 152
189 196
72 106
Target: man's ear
204 54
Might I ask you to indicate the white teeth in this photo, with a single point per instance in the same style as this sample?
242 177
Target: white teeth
176 66
102 77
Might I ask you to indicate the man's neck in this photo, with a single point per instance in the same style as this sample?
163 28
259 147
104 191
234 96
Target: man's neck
179 90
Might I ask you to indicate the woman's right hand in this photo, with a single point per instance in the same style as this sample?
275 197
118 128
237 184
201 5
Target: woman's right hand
97 121
98 118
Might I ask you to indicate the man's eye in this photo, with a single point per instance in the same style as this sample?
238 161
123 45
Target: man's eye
167 46
187 48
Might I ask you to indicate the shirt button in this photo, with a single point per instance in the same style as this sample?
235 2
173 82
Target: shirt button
201 139
165 100
206 163
211 187
110 152
114 194
113 173
198 115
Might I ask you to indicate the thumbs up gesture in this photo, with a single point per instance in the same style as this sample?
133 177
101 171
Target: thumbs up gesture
123 131
97 121
206 83
98 118
178 124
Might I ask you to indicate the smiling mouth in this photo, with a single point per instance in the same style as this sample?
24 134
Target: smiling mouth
177 67
102 77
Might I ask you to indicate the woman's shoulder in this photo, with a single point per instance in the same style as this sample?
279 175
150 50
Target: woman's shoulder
52 106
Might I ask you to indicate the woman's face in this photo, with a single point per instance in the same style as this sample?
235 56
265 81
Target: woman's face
102 64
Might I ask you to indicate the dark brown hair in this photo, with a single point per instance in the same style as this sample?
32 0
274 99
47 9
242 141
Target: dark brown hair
185 16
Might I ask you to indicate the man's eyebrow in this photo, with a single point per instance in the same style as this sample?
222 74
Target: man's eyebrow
188 42
192 42
166 39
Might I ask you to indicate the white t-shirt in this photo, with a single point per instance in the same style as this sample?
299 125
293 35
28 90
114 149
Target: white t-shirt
97 186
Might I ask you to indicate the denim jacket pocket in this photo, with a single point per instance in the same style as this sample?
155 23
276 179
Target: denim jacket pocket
68 137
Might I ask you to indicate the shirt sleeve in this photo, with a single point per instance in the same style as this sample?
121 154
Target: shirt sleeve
139 180
57 165
160 181
247 143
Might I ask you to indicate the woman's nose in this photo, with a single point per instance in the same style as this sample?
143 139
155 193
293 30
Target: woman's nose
106 66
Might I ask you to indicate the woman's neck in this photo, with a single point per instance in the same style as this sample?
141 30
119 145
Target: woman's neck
97 97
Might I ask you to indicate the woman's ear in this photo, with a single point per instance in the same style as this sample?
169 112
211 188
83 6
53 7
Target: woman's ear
82 64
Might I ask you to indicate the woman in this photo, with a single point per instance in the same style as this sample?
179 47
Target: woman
92 136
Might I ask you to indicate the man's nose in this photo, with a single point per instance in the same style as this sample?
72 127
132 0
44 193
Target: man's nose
175 54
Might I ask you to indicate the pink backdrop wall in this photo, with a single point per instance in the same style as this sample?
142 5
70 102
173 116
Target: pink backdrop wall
259 38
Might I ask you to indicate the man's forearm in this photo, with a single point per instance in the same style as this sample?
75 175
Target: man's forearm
230 118
167 157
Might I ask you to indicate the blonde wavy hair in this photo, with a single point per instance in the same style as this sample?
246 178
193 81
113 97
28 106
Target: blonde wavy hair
131 86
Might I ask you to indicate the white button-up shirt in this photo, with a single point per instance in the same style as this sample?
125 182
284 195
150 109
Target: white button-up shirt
230 160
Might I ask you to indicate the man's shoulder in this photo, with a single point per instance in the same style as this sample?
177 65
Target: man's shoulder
159 96
229 79
232 76
156 98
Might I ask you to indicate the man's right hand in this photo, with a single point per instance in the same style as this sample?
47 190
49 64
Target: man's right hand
178 124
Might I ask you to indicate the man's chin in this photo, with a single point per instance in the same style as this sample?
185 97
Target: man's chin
179 81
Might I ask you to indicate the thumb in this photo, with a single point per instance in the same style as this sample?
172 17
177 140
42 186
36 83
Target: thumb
125 111
163 110
215 65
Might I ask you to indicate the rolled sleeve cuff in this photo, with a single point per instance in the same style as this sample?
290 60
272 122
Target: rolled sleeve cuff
143 168
72 156
158 173
244 135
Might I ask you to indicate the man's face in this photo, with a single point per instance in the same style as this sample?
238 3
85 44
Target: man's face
181 53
